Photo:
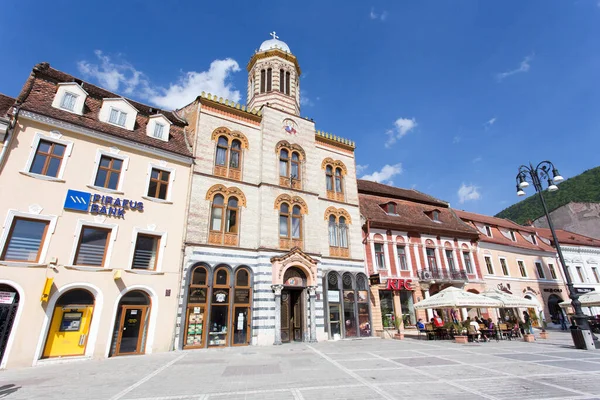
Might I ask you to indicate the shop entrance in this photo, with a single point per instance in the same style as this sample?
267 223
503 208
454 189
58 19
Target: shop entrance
70 324
129 336
292 322
9 304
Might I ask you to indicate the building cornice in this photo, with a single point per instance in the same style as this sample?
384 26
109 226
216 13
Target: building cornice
580 249
55 123
274 53
516 250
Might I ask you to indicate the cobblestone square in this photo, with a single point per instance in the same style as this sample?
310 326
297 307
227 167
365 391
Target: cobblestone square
348 369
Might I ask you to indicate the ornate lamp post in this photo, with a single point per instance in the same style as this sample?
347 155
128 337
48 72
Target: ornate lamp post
546 171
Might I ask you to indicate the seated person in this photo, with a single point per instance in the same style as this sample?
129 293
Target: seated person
437 321
420 324
474 328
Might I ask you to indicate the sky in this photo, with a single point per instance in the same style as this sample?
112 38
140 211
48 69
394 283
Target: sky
446 97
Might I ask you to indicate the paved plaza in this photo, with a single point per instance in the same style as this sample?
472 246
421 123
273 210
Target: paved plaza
349 369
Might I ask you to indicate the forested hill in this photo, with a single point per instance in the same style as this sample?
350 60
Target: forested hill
584 187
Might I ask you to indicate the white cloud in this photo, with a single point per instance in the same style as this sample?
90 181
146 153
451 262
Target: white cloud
468 193
361 168
385 174
456 139
304 99
477 159
382 17
488 124
523 67
121 76
402 127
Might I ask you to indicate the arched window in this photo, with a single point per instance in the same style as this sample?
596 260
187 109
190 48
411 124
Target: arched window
232 215
287 83
284 157
216 214
241 310
222 146
263 81
335 171
338 180
219 310
338 220
196 308
228 158
282 81
329 176
225 214
269 79
291 211
295 166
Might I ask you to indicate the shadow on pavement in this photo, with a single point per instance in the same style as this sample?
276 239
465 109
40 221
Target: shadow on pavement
5 390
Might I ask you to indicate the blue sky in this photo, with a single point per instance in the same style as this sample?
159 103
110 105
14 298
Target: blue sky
448 97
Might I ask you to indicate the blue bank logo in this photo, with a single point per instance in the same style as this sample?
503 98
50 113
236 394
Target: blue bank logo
76 200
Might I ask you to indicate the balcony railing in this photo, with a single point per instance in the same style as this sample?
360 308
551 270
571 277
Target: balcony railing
442 275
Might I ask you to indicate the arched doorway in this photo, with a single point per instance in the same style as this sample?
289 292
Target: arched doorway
554 307
70 325
9 304
293 306
129 336
533 312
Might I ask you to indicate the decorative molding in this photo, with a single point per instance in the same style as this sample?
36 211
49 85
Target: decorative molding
284 144
338 212
35 209
162 163
152 227
231 135
334 163
55 134
226 193
292 201
114 150
99 219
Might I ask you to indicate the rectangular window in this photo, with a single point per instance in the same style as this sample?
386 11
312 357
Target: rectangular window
596 276
450 257
159 130
402 258
522 269
48 158
512 236
117 117
488 231
109 172
569 276
24 241
552 271
283 226
488 265
91 249
159 184
504 267
379 256
295 228
580 274
68 101
540 270
431 261
533 239
145 255
467 258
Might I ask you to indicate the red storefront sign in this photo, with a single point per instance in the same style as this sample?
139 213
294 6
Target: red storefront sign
399 284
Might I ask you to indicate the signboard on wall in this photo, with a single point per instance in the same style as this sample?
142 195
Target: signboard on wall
399 284
7 297
583 290
98 204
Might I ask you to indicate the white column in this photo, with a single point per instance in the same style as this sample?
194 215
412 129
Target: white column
464 313
312 291
386 254
429 311
277 289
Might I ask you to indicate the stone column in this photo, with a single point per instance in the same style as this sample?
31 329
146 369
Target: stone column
277 289
429 310
312 291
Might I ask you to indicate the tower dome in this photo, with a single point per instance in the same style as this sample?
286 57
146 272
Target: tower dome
274 43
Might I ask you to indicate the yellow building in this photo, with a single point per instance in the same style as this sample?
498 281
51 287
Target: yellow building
94 200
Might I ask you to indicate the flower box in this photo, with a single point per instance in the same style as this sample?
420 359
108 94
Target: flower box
461 339
528 337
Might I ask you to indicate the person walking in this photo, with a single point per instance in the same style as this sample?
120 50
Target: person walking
562 320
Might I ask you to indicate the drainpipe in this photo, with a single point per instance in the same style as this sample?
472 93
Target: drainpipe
9 135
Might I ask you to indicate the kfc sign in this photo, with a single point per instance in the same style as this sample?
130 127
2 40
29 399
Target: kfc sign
399 284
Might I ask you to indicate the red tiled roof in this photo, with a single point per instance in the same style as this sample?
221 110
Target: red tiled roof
38 98
379 189
497 237
411 217
5 103
567 237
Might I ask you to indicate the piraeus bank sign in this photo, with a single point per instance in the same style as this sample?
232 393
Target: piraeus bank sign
101 205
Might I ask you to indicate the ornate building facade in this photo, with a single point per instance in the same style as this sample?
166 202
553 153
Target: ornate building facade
267 190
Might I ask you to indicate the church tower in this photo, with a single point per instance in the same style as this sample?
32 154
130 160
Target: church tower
273 77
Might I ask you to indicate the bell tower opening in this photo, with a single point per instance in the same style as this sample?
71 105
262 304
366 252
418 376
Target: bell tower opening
273 77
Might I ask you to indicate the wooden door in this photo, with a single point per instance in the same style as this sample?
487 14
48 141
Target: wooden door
131 330
285 316
297 315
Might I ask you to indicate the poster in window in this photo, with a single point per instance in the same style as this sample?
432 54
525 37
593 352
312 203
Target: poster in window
71 322
363 296
349 296
197 296
242 296
333 296
221 296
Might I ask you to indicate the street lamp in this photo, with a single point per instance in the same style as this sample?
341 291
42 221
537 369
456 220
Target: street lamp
546 171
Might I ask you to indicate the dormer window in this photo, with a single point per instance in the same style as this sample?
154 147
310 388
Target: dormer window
488 231
435 215
158 127
533 239
159 130
117 117
68 101
512 236
390 208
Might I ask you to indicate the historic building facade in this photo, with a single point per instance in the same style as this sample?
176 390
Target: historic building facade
267 190
516 260
415 246
91 233
582 256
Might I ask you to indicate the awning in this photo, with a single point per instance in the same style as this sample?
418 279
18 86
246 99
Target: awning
457 298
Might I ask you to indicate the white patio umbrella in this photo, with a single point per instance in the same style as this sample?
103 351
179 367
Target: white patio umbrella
457 298
591 299
509 300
